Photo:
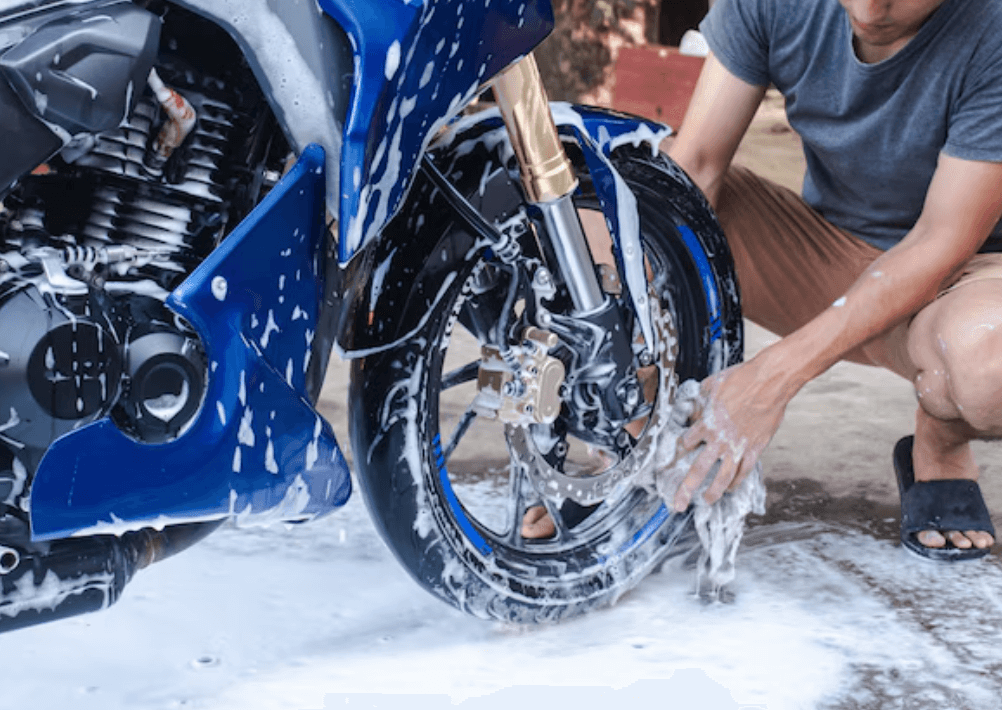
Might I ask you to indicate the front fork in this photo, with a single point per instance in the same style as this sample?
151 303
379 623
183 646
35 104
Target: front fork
548 177
549 182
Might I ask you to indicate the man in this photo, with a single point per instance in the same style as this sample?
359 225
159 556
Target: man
899 105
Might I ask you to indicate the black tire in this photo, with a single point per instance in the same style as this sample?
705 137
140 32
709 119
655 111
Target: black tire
437 530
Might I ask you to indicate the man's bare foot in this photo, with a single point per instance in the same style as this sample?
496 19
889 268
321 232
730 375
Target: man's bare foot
537 524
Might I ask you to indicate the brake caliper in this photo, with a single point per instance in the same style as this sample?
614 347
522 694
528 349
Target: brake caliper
521 386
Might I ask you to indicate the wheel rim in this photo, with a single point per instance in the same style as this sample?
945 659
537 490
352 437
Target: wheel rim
474 462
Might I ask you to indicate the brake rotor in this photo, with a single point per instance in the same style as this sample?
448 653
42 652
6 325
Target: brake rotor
589 489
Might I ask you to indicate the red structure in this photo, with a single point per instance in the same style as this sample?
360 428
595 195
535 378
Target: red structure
655 82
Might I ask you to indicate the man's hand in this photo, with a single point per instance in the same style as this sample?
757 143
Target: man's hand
743 408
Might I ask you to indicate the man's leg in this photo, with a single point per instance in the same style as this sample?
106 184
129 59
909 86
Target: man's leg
955 344
791 263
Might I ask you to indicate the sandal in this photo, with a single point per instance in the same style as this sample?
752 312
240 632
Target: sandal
954 504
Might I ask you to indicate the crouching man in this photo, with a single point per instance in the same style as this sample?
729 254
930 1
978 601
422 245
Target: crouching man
889 257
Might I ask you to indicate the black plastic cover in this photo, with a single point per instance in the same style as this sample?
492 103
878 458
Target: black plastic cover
24 142
82 71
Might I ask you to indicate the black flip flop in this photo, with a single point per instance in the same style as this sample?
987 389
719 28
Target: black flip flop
954 504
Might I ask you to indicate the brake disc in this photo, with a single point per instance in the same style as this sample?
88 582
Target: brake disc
589 489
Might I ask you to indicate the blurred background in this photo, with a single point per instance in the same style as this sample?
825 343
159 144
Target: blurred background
623 54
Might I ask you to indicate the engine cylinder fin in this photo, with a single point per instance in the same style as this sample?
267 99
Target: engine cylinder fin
108 230
162 209
202 148
150 236
219 117
122 141
121 152
202 160
164 218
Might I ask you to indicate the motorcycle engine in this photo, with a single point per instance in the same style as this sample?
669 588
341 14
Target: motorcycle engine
93 241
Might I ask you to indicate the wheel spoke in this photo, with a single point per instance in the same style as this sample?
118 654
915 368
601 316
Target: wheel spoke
558 520
516 478
522 492
464 425
461 375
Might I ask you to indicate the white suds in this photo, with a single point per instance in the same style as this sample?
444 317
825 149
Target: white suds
269 328
18 484
245 435
392 60
839 303
313 448
219 288
269 458
242 392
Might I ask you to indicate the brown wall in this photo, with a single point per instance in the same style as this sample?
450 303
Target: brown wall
613 53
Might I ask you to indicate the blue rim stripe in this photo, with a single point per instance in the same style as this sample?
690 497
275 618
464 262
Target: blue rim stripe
645 532
457 510
708 279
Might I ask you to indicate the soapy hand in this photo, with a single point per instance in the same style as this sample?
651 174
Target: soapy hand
742 409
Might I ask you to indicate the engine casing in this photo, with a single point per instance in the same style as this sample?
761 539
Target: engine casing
93 240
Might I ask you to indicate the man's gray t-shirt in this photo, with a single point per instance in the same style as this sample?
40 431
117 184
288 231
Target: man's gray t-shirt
872 133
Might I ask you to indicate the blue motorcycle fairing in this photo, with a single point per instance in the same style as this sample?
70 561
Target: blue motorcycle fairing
257 449
417 64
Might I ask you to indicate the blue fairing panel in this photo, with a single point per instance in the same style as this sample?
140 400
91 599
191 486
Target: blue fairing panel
257 449
418 63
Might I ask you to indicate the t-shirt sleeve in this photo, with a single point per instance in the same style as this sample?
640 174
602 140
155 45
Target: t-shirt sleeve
738 34
974 131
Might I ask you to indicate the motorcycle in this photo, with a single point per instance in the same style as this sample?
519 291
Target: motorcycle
204 199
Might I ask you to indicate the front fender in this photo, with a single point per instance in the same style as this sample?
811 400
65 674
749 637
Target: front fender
387 304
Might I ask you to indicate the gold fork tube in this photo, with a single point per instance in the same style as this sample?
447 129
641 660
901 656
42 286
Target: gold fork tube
546 172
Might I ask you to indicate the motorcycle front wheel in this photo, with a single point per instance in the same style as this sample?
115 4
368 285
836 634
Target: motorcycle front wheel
448 487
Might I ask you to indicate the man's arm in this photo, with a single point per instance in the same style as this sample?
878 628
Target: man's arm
721 109
746 403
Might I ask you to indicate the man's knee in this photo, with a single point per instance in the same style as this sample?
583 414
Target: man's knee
957 343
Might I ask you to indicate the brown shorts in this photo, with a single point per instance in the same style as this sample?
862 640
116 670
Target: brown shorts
792 264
